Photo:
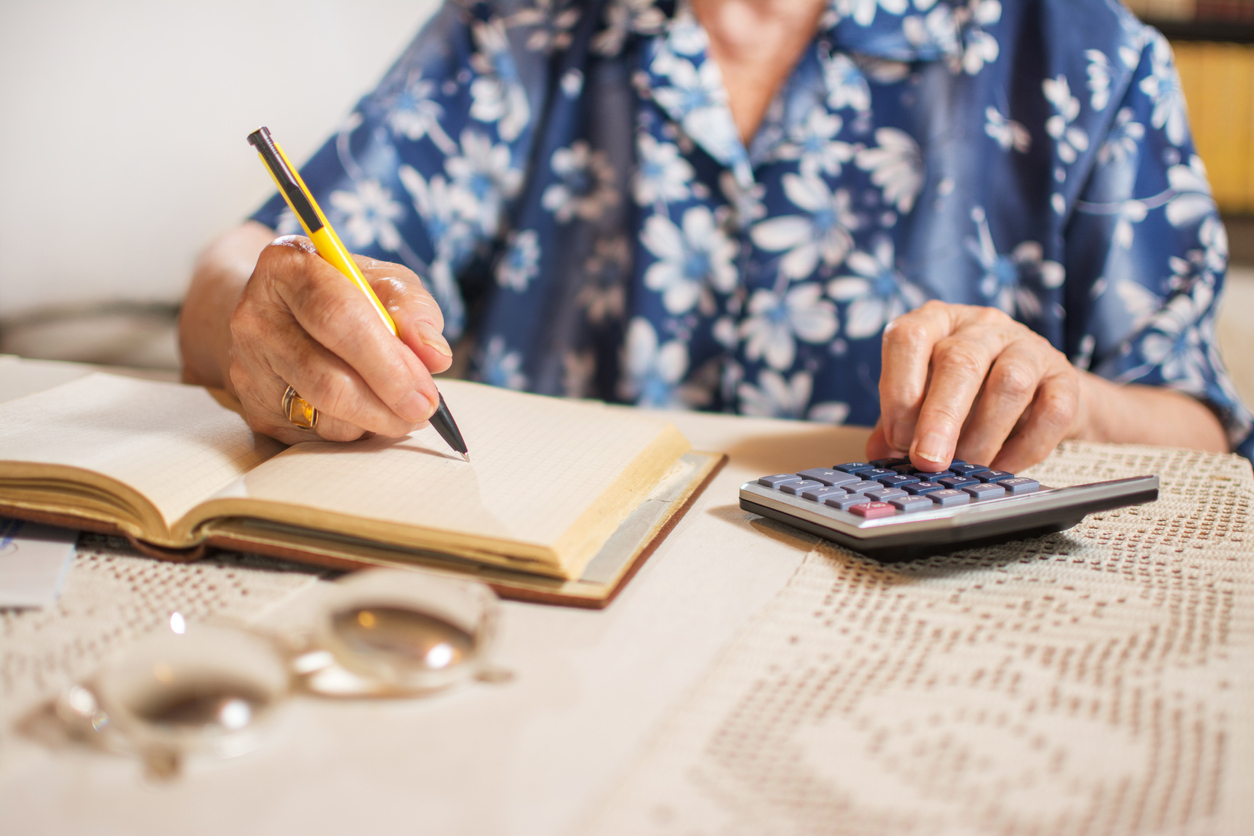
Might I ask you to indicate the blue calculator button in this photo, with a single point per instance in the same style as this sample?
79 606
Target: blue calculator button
847 501
778 479
862 487
993 475
956 482
876 473
985 490
897 480
889 464
958 462
931 475
1020 485
920 488
885 494
823 492
828 476
966 469
796 488
853 467
949 497
912 503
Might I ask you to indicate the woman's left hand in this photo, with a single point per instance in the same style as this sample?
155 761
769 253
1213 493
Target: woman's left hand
971 383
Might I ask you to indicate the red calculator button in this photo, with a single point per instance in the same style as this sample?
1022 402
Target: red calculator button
871 510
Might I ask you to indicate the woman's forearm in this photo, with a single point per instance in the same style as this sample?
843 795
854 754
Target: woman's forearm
1146 415
218 279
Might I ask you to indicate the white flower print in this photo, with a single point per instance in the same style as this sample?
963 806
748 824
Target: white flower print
747 206
1099 78
623 16
814 143
1174 342
978 47
896 166
449 233
369 214
688 260
697 99
1122 139
1163 88
1138 301
822 233
845 82
552 28
878 294
779 397
939 29
774 324
1002 283
413 114
1192 200
1214 238
602 294
653 371
1071 140
863 11
1131 212
521 261
661 173
498 95
500 367
585 187
481 180
1008 133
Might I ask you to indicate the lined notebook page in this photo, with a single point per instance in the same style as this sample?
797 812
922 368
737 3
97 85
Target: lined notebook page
174 444
537 465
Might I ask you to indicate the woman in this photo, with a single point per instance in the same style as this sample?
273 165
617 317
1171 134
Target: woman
979 226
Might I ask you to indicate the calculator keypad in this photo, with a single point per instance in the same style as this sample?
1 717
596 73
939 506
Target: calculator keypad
888 487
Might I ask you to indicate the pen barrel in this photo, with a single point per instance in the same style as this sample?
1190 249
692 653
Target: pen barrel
333 251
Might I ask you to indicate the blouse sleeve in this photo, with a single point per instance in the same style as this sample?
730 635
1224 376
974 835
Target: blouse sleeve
1147 239
423 170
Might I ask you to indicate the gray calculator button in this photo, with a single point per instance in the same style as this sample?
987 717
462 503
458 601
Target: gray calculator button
778 479
862 487
847 501
828 476
886 494
912 503
797 487
985 491
1020 485
820 494
949 497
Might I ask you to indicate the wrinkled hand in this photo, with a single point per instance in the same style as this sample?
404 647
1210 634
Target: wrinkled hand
971 383
301 322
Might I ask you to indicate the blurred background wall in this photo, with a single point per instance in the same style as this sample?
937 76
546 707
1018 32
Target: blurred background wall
122 147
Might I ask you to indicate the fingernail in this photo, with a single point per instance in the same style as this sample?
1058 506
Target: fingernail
901 436
933 447
414 407
433 338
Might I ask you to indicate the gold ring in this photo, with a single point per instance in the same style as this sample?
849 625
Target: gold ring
298 410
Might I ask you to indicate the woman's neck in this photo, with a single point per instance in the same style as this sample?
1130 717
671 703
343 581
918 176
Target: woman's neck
756 44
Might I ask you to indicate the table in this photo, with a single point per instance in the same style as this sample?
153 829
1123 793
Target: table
746 681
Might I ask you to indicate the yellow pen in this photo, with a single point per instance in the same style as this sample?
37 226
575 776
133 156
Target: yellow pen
331 248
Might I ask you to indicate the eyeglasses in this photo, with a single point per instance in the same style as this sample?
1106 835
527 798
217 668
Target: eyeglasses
209 688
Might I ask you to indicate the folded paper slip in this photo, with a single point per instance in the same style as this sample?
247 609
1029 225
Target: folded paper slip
561 501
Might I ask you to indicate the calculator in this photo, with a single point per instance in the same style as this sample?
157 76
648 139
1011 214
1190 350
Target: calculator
890 510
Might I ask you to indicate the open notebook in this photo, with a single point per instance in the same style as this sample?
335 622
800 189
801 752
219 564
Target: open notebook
562 499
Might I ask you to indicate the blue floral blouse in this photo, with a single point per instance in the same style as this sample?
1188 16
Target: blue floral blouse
568 179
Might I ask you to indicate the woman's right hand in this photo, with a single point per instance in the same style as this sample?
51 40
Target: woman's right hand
298 321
